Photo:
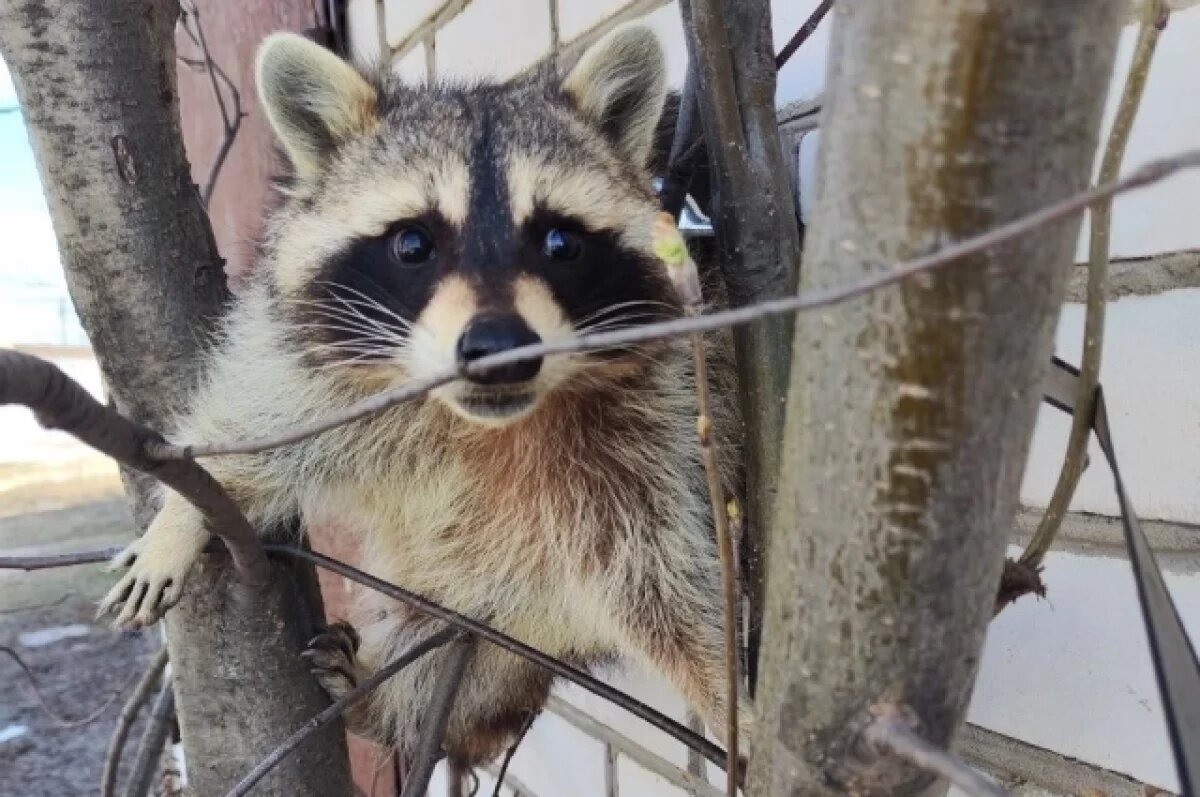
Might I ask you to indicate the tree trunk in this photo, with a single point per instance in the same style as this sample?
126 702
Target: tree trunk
756 223
96 80
910 410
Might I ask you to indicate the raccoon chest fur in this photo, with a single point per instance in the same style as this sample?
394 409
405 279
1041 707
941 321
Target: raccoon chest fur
528 524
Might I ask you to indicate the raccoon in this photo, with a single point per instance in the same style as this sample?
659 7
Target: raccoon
560 500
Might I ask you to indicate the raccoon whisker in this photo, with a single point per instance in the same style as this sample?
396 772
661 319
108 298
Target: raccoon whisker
355 322
348 312
358 361
368 300
357 330
612 308
348 309
354 327
354 345
621 322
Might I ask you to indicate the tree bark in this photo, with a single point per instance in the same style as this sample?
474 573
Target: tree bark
910 410
96 80
756 221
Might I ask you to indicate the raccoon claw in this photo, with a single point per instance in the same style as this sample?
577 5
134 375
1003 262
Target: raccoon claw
151 586
331 656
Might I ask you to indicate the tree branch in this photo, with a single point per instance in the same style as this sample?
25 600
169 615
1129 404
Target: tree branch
231 121
57 718
129 712
757 231
57 560
883 276
685 278
1154 16
60 403
889 733
909 414
803 33
339 706
141 777
433 734
511 753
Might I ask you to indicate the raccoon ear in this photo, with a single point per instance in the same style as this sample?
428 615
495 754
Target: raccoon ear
621 84
313 99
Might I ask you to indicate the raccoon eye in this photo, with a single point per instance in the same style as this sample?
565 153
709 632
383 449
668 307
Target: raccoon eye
412 246
562 245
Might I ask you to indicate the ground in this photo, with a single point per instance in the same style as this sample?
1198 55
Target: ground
90 665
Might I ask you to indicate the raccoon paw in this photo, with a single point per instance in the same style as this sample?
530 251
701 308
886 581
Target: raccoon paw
158 565
331 655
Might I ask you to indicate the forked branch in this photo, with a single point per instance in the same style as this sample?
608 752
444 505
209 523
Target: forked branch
60 403
231 112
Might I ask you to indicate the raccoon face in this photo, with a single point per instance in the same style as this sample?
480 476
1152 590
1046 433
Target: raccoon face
430 227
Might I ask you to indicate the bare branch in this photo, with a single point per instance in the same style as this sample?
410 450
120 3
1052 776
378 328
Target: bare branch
60 403
1154 15
57 718
597 687
889 733
433 734
231 120
685 278
57 560
805 31
129 712
887 274
512 752
154 738
339 706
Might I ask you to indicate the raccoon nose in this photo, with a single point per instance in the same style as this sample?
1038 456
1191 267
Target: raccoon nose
491 335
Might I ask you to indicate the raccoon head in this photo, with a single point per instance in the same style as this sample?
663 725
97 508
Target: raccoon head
431 226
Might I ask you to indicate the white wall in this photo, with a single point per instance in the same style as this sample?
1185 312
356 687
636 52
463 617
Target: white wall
1071 673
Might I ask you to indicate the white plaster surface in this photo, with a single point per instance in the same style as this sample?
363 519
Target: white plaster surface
1151 379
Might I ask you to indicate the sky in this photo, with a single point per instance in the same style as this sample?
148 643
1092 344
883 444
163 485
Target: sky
30 252
34 307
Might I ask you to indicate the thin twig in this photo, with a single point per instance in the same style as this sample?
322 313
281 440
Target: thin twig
685 277
441 703
512 752
61 403
801 36
54 716
710 751
129 712
1154 13
338 707
887 275
154 738
58 560
32 607
890 733
708 452
231 121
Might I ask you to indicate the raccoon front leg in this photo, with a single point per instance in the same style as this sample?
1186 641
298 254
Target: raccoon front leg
158 562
